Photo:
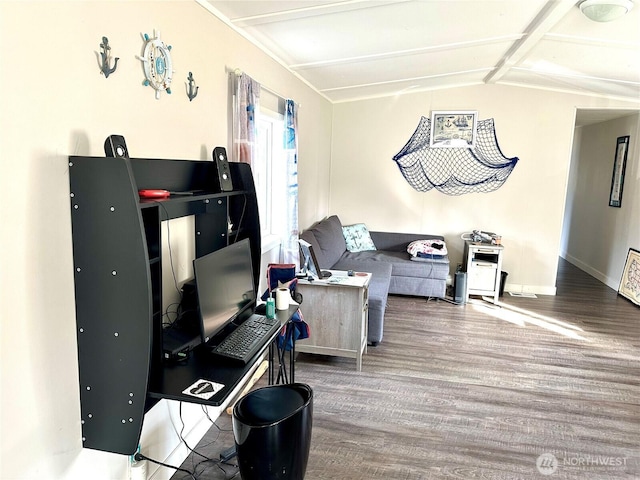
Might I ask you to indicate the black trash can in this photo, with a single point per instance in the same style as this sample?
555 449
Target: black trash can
503 280
272 431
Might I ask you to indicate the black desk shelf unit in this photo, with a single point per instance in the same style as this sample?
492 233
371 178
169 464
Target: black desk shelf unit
118 277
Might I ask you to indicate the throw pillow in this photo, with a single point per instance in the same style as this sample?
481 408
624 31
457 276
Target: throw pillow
357 238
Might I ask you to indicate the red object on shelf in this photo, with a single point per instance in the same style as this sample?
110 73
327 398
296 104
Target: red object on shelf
154 193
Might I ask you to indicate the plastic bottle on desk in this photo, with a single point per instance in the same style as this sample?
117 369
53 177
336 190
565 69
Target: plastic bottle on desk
271 307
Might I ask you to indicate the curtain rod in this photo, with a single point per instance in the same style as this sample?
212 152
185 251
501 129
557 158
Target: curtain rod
237 72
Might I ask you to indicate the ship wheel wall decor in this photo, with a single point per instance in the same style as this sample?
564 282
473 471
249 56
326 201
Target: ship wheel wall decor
156 63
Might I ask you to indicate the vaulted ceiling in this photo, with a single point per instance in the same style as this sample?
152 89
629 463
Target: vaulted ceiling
354 49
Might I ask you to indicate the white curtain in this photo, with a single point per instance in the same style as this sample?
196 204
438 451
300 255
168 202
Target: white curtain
247 106
289 247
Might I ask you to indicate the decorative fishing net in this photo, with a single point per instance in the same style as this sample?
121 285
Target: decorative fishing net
455 171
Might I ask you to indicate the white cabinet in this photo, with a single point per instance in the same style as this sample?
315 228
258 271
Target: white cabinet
483 264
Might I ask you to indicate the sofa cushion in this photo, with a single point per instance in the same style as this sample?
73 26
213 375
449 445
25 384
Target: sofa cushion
357 238
397 242
402 264
381 274
328 235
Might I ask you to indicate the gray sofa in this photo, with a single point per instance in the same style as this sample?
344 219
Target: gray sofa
393 270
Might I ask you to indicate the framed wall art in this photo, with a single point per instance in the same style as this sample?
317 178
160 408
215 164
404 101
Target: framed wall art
453 129
630 281
619 166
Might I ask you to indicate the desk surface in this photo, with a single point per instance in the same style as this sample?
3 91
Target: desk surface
202 366
484 245
340 277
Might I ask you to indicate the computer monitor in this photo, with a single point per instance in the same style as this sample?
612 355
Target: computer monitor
224 282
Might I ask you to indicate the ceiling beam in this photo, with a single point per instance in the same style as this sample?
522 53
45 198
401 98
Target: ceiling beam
404 80
412 51
307 12
547 18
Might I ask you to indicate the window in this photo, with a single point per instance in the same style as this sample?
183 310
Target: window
269 170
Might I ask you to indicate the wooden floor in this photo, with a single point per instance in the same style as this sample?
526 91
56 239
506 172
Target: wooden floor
533 388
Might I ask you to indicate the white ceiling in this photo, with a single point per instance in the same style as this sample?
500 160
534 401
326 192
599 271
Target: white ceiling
355 49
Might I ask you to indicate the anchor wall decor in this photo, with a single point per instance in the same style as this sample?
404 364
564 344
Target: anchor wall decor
105 58
191 93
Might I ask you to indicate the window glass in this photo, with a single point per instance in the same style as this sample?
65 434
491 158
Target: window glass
268 170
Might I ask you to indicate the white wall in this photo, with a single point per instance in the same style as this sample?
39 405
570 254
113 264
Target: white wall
536 126
54 102
597 236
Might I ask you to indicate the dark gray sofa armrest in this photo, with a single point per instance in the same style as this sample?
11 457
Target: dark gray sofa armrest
398 242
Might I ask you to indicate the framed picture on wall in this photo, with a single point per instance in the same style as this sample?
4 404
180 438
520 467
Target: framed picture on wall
630 280
619 166
453 129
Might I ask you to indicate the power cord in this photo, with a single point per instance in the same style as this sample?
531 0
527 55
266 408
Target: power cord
139 457
168 312
183 440
218 427
192 474
225 457
218 464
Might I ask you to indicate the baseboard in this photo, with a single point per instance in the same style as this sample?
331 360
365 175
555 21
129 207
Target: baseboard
597 274
537 289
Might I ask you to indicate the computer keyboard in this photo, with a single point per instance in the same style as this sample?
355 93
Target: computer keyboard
245 341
